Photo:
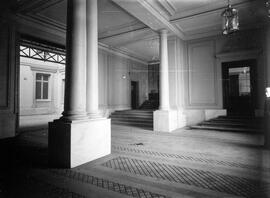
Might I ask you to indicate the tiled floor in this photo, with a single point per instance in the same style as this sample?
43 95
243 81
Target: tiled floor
185 163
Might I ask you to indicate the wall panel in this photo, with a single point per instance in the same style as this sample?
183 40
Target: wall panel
202 74
8 117
4 68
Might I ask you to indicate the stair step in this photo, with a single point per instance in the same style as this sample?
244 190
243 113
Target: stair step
133 120
233 124
235 121
239 117
226 124
233 129
139 118
132 123
132 116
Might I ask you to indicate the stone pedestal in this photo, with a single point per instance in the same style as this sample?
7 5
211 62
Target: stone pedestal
165 120
74 143
181 119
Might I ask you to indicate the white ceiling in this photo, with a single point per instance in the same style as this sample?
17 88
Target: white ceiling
132 24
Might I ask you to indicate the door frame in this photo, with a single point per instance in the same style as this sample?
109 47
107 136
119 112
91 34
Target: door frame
230 57
253 86
136 95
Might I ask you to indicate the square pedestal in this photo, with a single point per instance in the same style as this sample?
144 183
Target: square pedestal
78 142
165 120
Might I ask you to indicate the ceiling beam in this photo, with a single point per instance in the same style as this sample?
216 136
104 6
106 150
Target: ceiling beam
26 6
149 15
218 7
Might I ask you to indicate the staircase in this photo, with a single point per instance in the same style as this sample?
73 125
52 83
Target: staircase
137 118
150 104
233 124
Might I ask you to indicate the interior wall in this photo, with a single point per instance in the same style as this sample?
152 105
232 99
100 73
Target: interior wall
115 75
139 73
8 78
242 46
195 72
28 104
153 78
116 70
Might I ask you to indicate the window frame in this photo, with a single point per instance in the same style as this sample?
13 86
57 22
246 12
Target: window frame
49 86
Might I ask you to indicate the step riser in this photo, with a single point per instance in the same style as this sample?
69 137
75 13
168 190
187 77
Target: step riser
139 118
131 113
132 117
130 121
230 125
235 124
133 124
228 130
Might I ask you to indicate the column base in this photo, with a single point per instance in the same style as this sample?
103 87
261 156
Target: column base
267 131
96 115
165 120
74 143
181 119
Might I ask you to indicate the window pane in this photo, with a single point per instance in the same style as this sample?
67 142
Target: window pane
38 90
45 90
45 77
38 76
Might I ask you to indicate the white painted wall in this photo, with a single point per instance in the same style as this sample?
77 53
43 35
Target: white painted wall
28 104
115 75
195 72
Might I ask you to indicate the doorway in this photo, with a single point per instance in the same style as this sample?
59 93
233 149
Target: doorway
41 76
239 87
134 94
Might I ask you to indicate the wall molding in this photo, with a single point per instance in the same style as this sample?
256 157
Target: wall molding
239 55
121 53
192 103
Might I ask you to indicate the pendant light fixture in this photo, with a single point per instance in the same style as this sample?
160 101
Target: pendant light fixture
230 20
267 4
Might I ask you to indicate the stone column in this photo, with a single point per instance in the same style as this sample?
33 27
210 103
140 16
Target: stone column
267 86
92 59
165 119
164 72
74 105
74 139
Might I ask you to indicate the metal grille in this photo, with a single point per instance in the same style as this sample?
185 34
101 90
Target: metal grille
41 51
188 157
199 178
42 55
110 185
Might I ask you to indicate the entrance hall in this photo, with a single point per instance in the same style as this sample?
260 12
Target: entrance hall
185 163
148 98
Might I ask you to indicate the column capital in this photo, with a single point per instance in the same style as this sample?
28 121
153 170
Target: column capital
163 31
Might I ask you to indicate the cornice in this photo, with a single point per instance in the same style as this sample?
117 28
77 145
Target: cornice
142 29
164 22
48 21
191 14
246 53
168 6
123 53
26 6
134 25
25 21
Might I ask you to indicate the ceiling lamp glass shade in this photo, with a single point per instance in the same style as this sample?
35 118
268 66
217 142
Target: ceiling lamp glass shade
230 20
267 4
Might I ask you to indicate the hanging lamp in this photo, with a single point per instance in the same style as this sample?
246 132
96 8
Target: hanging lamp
230 20
267 4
